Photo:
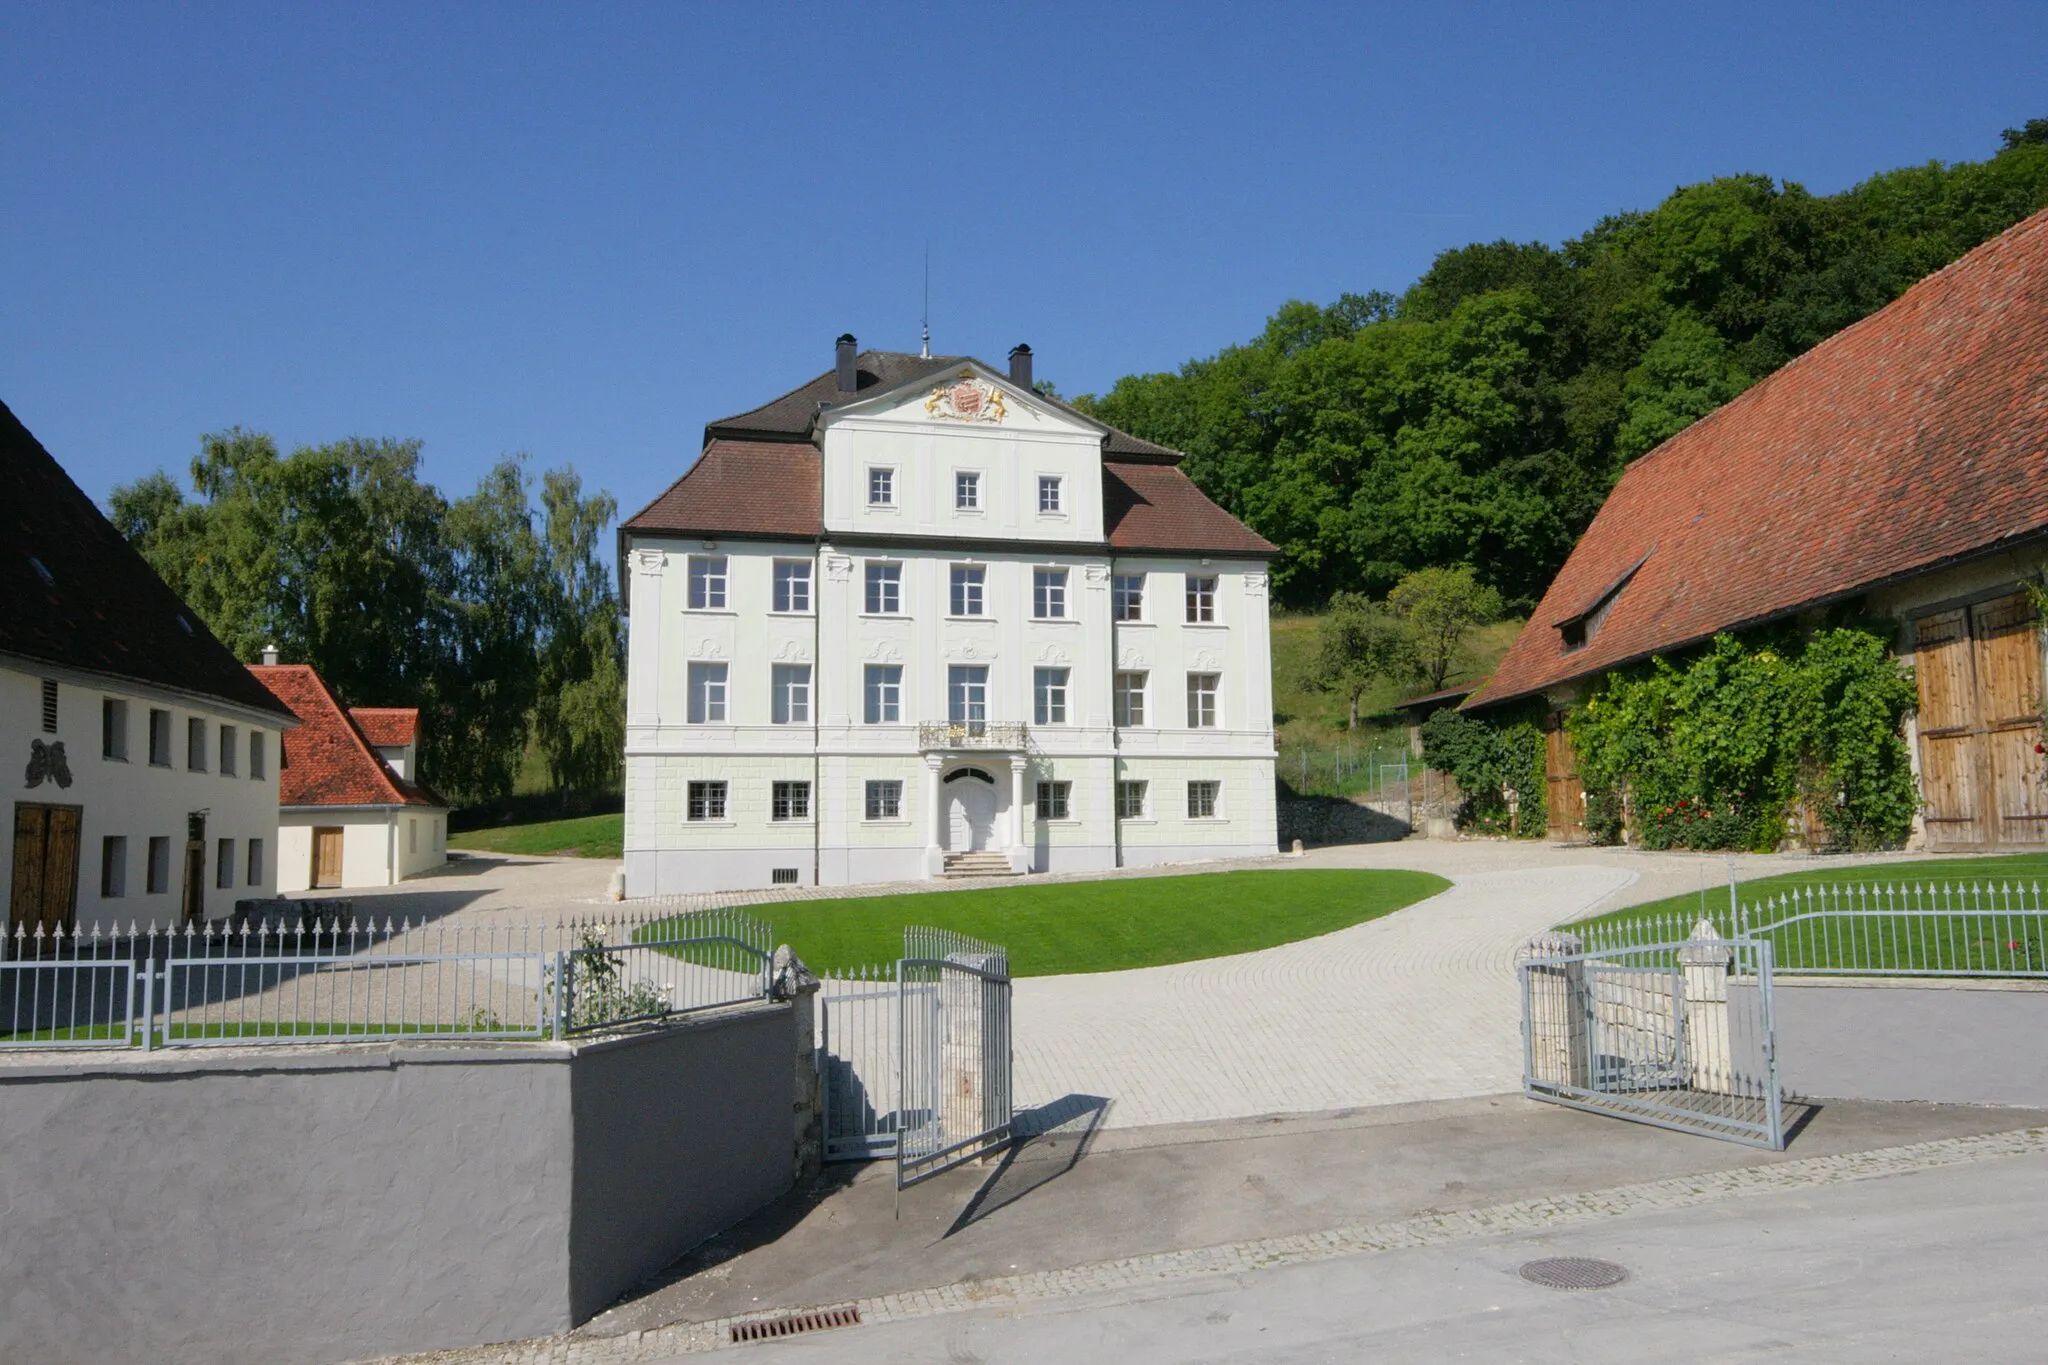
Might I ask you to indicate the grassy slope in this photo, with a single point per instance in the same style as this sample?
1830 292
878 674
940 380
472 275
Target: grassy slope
1107 925
1307 716
591 836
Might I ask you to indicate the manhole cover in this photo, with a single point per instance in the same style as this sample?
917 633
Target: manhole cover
1574 1272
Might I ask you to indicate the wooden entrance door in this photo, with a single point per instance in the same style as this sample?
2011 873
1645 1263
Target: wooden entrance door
1981 780
45 890
326 856
1564 795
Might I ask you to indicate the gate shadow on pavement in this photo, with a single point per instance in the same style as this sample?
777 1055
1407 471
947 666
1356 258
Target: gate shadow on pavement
1050 1140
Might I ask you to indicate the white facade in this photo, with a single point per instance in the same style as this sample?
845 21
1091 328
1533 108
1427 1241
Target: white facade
380 845
202 796
945 682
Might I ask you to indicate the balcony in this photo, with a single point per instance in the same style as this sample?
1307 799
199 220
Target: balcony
1007 736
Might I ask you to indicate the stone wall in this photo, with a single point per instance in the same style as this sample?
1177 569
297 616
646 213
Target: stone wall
1335 820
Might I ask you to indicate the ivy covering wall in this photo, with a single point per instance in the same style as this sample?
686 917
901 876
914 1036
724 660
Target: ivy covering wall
1491 758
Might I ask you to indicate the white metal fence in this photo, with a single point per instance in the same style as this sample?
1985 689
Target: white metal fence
273 981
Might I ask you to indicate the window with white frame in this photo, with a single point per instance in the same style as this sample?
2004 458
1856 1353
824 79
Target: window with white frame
1201 599
1130 697
256 755
1127 596
881 486
884 799
790 801
1052 800
1202 700
195 744
230 745
793 585
968 583
1049 594
1049 695
790 701
885 589
159 738
707 694
707 582
706 801
967 695
113 866
1202 799
1130 800
882 688
967 490
114 729
1049 500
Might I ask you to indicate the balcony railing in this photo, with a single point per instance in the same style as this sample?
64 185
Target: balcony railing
970 734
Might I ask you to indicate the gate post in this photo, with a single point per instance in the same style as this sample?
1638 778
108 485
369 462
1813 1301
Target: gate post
1555 1014
790 980
1705 960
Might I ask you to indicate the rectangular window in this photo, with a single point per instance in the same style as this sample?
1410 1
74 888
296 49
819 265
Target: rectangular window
1202 800
792 585
1052 800
707 801
1049 494
256 756
881 487
790 703
885 800
1202 700
968 581
707 694
1049 594
791 801
228 750
782 876
1201 599
159 872
883 685
1127 596
224 863
967 695
707 582
967 491
255 877
49 706
1130 698
1049 695
885 589
195 744
113 866
160 738
1130 800
114 729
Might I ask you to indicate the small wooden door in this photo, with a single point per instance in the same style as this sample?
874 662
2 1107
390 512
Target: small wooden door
1981 779
1564 795
45 890
326 856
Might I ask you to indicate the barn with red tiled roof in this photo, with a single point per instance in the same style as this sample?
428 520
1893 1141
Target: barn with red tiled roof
349 815
1901 466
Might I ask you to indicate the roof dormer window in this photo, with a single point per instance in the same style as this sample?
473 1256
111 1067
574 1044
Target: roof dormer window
1577 631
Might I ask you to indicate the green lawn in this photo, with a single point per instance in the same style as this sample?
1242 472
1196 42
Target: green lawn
590 836
1103 926
2023 867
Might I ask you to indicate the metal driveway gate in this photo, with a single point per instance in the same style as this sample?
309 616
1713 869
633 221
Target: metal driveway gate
1675 1034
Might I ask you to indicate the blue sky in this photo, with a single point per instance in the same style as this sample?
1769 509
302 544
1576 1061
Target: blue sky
583 231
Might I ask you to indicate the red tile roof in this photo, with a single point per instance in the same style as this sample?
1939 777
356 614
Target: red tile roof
1915 437
1156 507
327 760
762 488
387 727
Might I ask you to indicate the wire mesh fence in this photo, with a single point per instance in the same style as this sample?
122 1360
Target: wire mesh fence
260 981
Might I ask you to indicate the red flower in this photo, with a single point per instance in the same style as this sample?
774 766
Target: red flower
2041 748
2012 947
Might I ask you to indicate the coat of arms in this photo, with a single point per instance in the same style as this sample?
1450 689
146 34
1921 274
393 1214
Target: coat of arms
966 399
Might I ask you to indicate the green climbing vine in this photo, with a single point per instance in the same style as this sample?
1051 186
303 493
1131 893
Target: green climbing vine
1489 759
1715 751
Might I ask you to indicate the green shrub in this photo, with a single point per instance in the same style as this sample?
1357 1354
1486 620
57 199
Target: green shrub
1490 758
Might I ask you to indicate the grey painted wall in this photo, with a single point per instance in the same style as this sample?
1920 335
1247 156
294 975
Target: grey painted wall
312 1205
1948 1044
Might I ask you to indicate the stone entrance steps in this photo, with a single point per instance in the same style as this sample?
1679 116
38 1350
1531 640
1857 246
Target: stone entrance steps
978 865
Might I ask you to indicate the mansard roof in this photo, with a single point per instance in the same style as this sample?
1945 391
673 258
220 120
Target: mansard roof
1913 438
74 593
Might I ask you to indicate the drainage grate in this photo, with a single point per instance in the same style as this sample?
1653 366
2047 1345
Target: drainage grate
1574 1272
789 1324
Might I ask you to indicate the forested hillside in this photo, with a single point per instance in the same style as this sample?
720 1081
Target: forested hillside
1481 416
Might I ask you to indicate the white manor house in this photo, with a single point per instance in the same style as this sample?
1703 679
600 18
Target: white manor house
915 619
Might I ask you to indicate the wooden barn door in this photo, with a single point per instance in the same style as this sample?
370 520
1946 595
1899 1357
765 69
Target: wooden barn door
1980 719
45 889
1564 795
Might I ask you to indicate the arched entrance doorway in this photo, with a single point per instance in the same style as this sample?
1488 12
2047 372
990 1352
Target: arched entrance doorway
972 804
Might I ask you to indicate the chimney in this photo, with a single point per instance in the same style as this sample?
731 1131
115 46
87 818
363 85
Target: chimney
1020 365
270 656
849 376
